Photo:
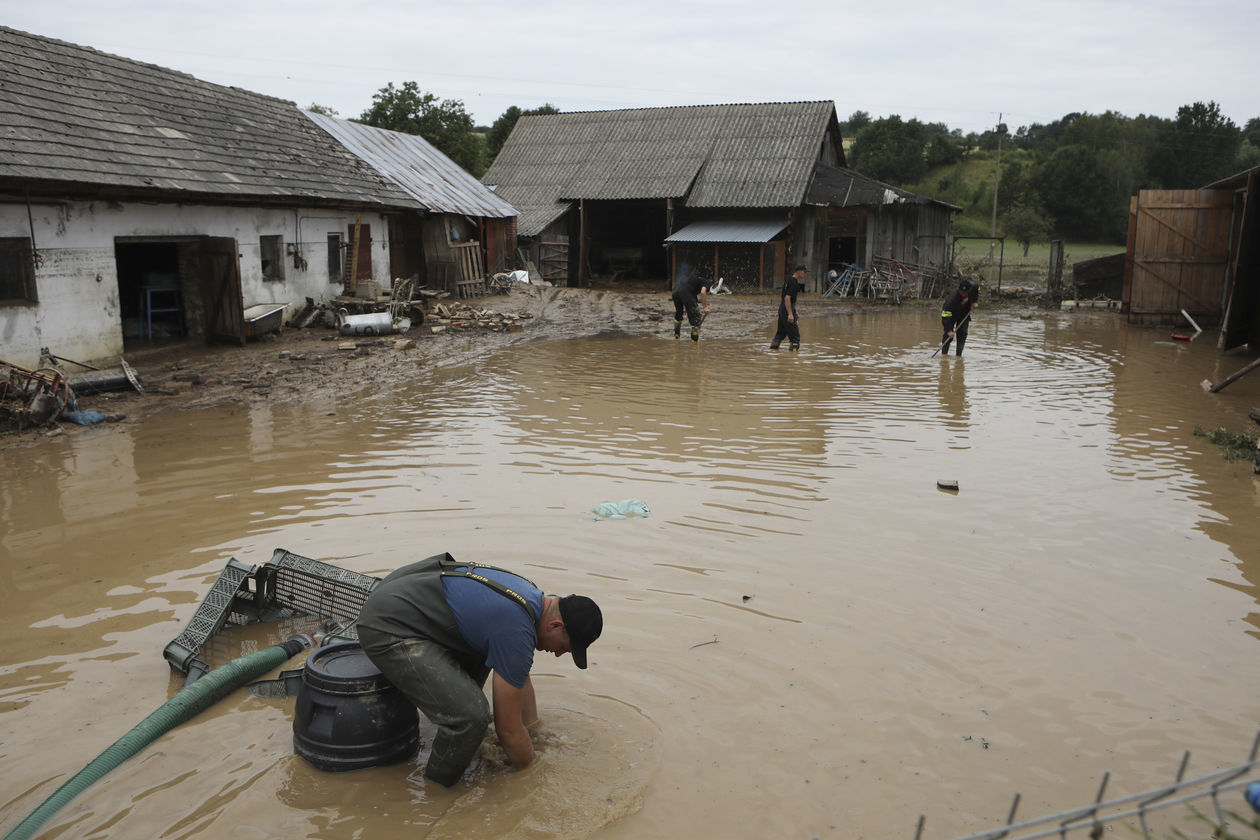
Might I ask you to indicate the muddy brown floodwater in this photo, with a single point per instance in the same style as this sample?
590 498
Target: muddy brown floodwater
805 637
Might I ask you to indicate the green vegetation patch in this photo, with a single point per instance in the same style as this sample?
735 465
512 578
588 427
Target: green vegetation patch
1235 446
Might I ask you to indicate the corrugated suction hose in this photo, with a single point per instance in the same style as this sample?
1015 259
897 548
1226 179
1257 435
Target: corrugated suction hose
194 698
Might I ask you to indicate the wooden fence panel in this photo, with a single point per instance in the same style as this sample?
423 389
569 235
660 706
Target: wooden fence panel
1180 251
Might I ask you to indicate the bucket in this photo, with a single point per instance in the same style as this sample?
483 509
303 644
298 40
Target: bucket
373 323
348 716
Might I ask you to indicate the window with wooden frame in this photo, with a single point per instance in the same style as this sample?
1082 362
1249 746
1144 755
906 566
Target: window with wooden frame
271 251
17 271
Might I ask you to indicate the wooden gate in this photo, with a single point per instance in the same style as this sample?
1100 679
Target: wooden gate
1178 253
221 287
553 259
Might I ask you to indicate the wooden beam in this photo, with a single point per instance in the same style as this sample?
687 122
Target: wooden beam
1236 375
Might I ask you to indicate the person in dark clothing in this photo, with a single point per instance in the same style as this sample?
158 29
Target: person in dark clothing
789 322
955 316
437 628
691 293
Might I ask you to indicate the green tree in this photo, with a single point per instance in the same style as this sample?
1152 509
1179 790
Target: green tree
1251 132
1086 192
502 128
891 150
322 109
857 121
1026 224
944 150
1016 188
989 140
1198 147
443 123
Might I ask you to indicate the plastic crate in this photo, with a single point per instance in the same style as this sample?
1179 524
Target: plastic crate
287 585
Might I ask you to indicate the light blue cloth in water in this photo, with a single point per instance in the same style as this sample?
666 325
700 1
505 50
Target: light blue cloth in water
621 510
85 417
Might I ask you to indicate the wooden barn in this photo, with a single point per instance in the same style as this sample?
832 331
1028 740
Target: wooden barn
1197 253
740 192
465 231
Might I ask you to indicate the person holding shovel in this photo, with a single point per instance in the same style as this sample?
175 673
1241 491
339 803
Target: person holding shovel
956 316
789 321
691 293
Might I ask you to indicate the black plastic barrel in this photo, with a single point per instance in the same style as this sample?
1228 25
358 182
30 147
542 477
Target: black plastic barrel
349 716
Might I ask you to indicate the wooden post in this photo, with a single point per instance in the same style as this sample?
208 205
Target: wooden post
1233 377
581 240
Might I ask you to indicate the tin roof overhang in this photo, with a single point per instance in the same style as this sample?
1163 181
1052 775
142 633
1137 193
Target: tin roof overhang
729 230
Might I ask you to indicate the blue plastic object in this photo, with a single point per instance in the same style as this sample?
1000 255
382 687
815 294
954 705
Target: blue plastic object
85 417
1253 796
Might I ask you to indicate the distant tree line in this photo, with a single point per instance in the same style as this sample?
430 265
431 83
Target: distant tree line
1070 179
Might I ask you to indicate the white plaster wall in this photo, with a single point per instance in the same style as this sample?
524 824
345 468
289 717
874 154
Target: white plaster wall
78 315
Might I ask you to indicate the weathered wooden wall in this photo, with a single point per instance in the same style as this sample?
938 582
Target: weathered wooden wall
913 233
1178 253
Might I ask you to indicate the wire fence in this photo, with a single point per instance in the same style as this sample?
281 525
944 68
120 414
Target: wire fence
1214 805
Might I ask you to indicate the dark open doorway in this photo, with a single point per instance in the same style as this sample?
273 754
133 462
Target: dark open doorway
841 251
152 293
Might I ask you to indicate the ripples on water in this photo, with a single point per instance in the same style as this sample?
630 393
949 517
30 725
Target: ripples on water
802 611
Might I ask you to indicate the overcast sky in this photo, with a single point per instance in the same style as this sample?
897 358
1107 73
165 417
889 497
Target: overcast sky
961 63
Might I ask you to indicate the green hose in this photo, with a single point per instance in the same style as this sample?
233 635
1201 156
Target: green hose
191 700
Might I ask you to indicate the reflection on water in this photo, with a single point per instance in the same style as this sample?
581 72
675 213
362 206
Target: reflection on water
818 637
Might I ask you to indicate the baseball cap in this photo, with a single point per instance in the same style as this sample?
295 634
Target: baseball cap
583 622
800 267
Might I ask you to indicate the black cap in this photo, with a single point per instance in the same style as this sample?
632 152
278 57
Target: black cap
800 268
966 285
583 622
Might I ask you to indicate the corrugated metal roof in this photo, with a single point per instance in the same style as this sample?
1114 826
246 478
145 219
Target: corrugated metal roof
72 117
834 186
417 166
730 230
710 155
534 220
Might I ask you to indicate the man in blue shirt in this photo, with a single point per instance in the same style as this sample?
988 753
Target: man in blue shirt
437 628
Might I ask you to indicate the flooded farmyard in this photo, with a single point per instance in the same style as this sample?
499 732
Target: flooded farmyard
804 637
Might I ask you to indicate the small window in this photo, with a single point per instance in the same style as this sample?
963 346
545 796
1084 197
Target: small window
336 273
272 252
17 271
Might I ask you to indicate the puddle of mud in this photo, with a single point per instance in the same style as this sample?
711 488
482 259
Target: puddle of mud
804 636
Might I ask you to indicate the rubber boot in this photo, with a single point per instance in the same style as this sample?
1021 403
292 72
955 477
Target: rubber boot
677 328
695 333
794 348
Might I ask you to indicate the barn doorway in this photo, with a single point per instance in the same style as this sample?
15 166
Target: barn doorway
153 289
841 251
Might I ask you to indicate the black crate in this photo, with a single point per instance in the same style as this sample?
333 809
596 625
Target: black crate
286 586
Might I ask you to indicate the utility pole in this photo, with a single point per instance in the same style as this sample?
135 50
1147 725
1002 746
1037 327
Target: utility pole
997 178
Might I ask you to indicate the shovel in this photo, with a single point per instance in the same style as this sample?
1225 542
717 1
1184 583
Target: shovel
955 331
